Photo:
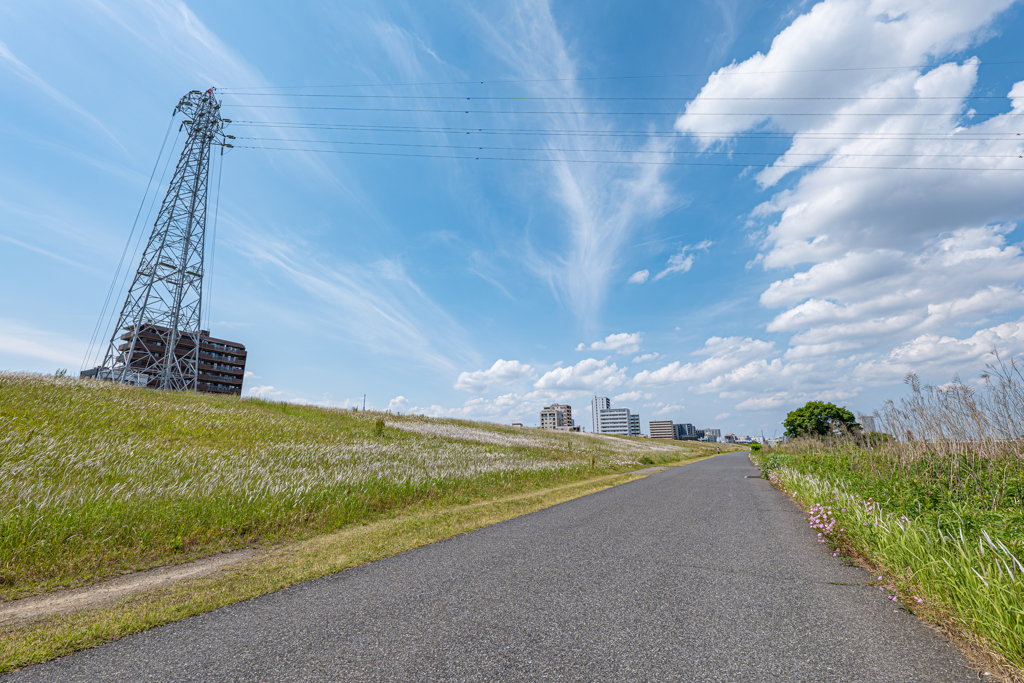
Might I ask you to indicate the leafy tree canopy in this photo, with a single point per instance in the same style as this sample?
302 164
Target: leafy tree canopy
818 417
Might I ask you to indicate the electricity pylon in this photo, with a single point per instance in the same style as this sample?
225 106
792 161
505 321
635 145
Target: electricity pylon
156 341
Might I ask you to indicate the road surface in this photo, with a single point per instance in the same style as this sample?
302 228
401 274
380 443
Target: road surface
698 573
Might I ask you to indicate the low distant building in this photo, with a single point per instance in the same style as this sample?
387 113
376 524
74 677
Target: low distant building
556 417
867 422
730 438
221 362
517 424
661 429
686 432
711 435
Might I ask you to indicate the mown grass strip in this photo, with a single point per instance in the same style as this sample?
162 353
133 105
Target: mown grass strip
277 569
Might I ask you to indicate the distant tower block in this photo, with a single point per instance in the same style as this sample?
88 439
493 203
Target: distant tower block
156 341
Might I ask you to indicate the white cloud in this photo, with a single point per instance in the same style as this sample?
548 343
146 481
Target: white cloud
898 267
639 277
630 396
643 358
944 353
23 341
721 416
601 204
673 408
765 402
264 392
502 372
8 59
682 261
398 404
590 374
249 374
379 300
624 343
725 355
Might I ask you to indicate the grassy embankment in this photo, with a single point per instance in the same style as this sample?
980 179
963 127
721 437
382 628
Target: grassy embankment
939 509
97 480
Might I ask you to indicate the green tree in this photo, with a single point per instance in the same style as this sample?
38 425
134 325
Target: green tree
818 417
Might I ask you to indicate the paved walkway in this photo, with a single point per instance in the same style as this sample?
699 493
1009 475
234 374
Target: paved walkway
699 573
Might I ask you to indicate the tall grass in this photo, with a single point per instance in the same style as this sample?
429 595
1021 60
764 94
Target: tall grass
98 478
936 498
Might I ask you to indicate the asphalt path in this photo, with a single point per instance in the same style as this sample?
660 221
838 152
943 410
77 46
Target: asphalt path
698 573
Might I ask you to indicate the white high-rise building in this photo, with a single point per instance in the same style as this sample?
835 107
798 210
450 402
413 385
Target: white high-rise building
597 405
608 420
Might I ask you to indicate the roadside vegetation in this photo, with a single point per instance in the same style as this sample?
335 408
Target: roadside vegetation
934 500
98 479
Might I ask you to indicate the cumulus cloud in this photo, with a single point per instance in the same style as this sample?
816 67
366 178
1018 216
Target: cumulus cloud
721 416
947 353
398 404
590 374
644 357
888 270
265 392
682 261
639 277
502 372
624 343
630 396
725 355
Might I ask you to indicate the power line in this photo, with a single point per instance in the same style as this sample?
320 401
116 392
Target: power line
634 151
624 133
642 99
606 78
110 291
593 113
612 161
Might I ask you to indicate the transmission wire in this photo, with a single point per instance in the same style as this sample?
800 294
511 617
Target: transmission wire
124 252
606 161
149 213
620 133
213 244
607 78
638 151
593 113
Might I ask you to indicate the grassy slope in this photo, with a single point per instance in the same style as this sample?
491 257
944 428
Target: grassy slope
98 479
950 553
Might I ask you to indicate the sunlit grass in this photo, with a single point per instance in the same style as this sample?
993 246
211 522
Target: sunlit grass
97 478
936 500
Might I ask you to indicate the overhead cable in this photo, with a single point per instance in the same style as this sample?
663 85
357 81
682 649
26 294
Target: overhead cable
612 161
596 113
634 151
610 78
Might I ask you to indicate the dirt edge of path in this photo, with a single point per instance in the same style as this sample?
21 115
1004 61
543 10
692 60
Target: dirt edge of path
15 613
108 592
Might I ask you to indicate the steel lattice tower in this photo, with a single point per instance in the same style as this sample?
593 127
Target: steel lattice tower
156 341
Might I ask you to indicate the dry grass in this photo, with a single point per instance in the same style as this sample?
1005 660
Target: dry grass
937 500
97 479
279 568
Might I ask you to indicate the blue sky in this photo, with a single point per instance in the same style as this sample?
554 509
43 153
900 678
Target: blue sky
775 270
